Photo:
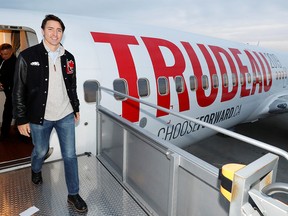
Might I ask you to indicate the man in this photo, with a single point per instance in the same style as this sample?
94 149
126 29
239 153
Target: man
7 68
45 97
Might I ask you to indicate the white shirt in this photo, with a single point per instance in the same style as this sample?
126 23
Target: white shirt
58 104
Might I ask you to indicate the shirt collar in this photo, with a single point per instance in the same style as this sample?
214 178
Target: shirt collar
60 50
54 54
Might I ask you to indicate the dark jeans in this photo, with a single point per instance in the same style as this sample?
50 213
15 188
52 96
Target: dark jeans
65 129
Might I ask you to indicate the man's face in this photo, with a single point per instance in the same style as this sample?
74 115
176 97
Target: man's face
52 34
6 54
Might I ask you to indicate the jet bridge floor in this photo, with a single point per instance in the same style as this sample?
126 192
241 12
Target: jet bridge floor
103 194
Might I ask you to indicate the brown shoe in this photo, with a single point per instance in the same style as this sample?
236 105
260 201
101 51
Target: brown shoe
78 203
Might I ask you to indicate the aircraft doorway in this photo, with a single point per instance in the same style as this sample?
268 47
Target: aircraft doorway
15 149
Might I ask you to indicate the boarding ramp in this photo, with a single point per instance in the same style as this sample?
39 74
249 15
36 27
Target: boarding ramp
166 180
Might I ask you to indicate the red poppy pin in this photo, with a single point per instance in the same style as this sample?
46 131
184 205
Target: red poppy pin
70 67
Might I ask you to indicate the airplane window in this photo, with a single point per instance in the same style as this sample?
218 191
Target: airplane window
179 83
90 89
163 85
260 77
225 79
248 77
193 83
269 77
143 87
215 81
205 82
254 77
234 78
120 85
241 79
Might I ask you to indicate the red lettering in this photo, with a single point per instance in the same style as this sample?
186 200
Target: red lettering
202 99
217 51
126 68
267 79
265 82
255 71
162 70
243 70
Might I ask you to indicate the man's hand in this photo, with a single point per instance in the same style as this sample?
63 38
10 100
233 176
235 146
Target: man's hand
77 117
24 129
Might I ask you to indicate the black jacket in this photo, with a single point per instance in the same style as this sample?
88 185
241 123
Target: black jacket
7 73
31 84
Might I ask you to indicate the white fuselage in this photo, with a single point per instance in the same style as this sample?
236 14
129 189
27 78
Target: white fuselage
233 82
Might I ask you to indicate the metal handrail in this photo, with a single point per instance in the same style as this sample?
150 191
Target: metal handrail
241 137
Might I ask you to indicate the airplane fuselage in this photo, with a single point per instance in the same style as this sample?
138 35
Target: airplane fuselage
217 81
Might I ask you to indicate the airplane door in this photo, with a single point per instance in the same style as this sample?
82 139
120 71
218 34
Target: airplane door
20 38
15 147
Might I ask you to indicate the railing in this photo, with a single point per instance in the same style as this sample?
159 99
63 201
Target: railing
167 180
232 134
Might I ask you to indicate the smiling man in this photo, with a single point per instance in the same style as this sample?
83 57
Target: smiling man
45 97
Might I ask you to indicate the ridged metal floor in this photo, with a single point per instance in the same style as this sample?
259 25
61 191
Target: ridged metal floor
102 193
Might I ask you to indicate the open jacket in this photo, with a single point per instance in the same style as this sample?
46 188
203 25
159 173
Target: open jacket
31 84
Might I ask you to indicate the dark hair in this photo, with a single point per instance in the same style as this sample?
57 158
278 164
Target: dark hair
52 17
5 46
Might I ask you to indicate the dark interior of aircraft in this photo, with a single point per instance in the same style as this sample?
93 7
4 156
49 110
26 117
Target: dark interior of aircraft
15 149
